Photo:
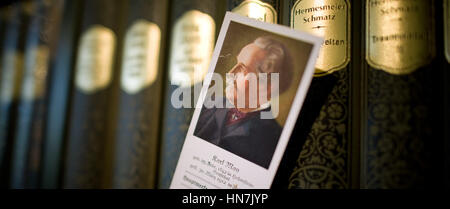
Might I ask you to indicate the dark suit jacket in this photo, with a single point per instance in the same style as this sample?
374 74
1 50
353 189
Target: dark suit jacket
253 138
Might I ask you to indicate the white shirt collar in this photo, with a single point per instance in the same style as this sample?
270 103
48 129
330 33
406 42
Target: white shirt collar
262 107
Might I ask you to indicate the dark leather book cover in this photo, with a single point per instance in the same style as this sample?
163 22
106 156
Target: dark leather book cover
403 120
59 88
321 151
29 136
445 65
382 125
11 80
138 124
88 162
187 19
447 124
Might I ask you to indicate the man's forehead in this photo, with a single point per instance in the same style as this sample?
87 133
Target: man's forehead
249 51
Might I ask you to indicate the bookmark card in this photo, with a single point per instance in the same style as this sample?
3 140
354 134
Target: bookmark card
250 100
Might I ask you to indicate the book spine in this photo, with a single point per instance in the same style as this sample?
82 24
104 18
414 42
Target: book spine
90 134
11 80
319 154
59 88
6 13
137 135
28 140
446 66
189 20
403 129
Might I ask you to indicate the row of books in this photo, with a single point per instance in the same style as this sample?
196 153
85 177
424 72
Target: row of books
85 91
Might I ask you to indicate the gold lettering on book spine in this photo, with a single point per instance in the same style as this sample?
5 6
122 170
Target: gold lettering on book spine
329 19
141 56
399 35
191 48
11 75
95 59
35 72
257 10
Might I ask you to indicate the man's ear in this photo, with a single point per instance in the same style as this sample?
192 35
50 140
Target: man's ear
268 65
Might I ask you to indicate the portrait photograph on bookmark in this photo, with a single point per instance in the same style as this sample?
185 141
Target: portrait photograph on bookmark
257 81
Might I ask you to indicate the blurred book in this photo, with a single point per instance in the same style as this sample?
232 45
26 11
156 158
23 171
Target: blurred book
93 107
138 124
12 62
29 136
193 27
59 90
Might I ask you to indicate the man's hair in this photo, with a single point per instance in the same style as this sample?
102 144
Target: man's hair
278 60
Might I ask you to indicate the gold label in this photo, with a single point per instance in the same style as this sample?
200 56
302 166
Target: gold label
36 68
95 59
141 55
257 10
11 77
191 48
329 19
399 35
447 29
